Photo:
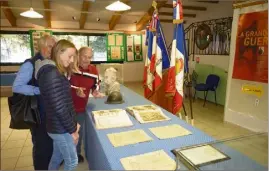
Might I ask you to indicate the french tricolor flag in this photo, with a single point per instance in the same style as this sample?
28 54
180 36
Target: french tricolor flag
148 76
178 62
162 59
177 12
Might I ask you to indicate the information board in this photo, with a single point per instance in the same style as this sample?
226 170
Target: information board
134 48
116 45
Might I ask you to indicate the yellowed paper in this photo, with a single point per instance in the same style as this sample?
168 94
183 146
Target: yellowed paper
111 40
170 131
157 160
203 154
137 40
114 118
119 40
128 137
130 48
147 113
115 52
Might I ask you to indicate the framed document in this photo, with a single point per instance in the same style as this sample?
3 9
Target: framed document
138 47
130 48
115 53
116 45
111 40
119 40
134 48
200 155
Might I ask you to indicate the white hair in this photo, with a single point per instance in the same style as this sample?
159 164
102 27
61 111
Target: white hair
43 41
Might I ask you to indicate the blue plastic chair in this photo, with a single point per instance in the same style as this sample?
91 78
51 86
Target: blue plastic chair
212 82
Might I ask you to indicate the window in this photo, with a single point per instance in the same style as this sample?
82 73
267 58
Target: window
96 41
78 40
15 47
98 44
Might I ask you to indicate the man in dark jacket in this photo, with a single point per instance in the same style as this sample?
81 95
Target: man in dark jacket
42 143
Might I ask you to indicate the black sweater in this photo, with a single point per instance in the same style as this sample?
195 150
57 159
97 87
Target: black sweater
56 93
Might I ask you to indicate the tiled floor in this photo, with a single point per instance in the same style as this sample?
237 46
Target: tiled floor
16 146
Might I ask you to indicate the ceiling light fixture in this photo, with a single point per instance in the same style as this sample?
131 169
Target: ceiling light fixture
31 14
118 6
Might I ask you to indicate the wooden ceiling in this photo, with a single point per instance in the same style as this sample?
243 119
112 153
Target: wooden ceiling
89 9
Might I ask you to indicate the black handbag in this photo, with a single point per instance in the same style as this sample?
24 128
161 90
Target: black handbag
24 110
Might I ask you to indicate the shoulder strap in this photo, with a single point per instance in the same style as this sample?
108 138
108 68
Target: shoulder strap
33 74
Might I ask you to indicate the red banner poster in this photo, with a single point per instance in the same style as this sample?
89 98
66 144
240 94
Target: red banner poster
251 53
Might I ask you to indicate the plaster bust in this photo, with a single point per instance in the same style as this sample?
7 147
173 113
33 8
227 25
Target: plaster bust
110 81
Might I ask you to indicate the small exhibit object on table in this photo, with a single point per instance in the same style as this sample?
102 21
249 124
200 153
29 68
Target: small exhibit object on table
157 160
115 118
128 137
147 113
169 131
201 155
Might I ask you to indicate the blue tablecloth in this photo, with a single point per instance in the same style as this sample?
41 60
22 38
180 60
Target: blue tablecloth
101 155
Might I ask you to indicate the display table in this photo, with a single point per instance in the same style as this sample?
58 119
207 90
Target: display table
101 155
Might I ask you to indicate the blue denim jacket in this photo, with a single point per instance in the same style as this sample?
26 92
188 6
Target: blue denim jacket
22 79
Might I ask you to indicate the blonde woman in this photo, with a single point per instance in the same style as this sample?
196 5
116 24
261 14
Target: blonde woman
55 91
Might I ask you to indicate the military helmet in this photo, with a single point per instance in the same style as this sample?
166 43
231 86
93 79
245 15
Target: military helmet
114 97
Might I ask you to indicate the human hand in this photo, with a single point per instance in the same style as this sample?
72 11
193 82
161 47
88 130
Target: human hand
75 137
80 92
97 94
78 127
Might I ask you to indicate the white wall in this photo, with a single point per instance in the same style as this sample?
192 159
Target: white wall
221 61
240 108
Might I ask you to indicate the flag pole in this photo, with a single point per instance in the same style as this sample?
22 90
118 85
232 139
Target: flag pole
177 20
189 86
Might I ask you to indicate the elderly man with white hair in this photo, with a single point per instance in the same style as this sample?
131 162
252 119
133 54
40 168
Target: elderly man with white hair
42 143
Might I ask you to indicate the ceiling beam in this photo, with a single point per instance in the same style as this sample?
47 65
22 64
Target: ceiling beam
145 19
213 2
8 13
187 7
171 14
47 13
83 16
170 21
242 4
116 17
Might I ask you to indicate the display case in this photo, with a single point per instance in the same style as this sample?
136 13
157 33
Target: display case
119 67
248 152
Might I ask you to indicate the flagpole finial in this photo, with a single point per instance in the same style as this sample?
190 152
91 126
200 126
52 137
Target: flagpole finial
154 4
177 12
154 18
